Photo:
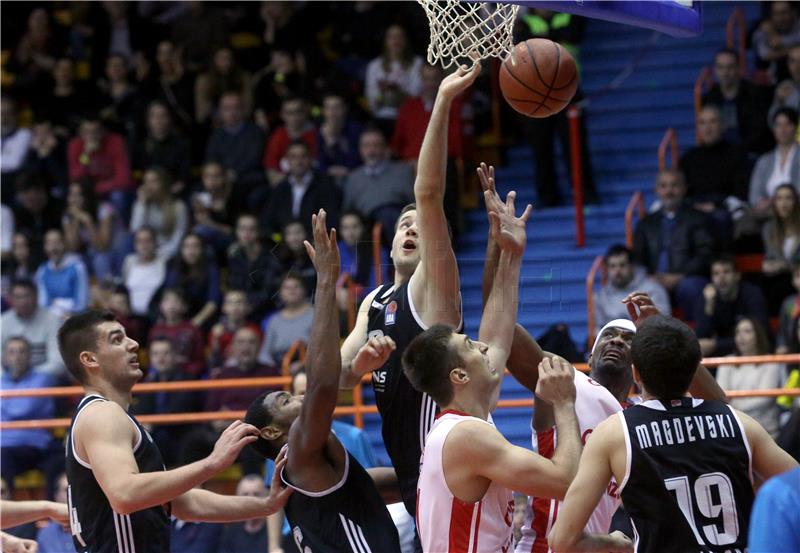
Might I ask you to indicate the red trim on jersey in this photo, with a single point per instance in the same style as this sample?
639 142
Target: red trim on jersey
461 524
541 505
452 412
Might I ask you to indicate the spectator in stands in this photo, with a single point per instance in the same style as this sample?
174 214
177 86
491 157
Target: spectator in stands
66 101
20 263
185 337
292 254
291 323
157 208
163 146
252 267
90 226
38 325
781 235
36 52
173 85
777 33
47 157
34 211
62 280
194 271
789 314
751 339
237 144
277 81
119 100
102 157
16 142
296 126
724 301
243 363
223 76
787 93
23 450
391 77
674 244
742 104
119 303
716 174
199 32
119 31
302 193
143 271
250 535
780 166
623 278
164 368
54 538
380 188
356 251
214 208
337 138
235 310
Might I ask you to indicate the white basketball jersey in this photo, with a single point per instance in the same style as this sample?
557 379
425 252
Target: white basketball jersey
447 524
593 405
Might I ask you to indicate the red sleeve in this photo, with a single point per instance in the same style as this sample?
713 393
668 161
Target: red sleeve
275 149
120 178
310 138
197 363
75 168
399 137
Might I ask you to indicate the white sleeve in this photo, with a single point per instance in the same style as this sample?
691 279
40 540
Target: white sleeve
6 229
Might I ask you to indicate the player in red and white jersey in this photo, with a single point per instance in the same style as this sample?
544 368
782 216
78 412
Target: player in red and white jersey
464 500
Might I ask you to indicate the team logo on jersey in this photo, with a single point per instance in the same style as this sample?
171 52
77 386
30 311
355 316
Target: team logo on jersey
390 313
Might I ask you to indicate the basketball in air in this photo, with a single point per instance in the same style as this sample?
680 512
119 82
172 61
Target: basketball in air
538 78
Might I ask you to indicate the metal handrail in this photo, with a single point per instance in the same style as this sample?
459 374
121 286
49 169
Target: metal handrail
573 116
704 79
377 229
670 139
597 265
637 200
736 20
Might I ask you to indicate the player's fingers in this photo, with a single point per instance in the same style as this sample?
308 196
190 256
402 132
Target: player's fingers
332 236
371 351
309 250
526 213
545 366
631 307
510 202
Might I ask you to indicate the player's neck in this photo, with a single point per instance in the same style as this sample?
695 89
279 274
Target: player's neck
399 278
106 390
618 385
468 406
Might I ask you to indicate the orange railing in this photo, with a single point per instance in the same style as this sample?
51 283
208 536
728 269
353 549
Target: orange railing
736 22
296 350
636 201
670 139
597 266
377 229
703 82
573 116
358 410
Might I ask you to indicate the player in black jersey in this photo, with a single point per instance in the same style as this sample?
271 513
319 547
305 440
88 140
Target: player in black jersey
120 495
685 465
336 507
425 291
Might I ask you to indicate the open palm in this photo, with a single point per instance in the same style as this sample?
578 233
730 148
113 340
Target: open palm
508 229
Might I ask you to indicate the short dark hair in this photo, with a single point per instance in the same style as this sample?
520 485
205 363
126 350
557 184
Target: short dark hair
428 360
408 207
617 249
728 51
77 334
259 416
723 259
17 338
666 354
789 113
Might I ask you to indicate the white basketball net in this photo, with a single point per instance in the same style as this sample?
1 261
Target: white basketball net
465 32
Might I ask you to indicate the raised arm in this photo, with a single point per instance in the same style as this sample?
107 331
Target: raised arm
310 432
107 437
22 512
500 313
435 284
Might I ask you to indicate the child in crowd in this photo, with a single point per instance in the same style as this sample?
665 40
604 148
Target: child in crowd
186 338
235 310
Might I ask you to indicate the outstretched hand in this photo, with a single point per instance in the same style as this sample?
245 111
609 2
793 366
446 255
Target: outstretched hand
493 200
640 307
324 253
457 82
278 493
508 229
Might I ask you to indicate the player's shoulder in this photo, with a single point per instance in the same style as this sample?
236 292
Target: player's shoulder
474 436
102 416
609 432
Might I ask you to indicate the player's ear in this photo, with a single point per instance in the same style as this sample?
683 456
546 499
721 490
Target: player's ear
270 432
89 360
459 376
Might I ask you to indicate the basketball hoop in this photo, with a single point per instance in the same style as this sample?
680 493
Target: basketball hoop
466 32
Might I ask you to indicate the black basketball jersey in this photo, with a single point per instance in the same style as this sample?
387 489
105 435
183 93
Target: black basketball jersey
96 528
689 486
407 415
349 517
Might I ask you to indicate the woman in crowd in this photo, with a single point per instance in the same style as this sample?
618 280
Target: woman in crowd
780 166
143 271
751 339
224 75
214 209
781 235
291 323
194 271
90 227
21 263
156 207
120 103
392 77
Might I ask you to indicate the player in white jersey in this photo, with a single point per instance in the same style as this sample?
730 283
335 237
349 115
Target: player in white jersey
464 500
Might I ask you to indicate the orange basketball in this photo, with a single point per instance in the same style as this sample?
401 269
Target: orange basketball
539 78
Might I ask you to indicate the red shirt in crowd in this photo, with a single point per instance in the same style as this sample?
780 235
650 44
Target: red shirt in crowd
108 167
225 339
412 121
279 142
237 399
187 343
